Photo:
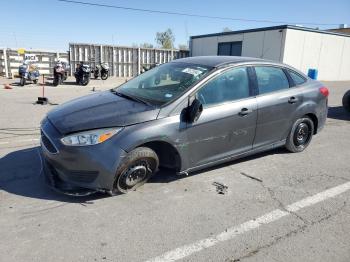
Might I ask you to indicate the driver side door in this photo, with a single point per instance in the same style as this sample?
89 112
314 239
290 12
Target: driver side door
227 124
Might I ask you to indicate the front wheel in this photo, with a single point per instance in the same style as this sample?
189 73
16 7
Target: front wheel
346 101
57 80
85 80
104 76
22 82
300 135
137 167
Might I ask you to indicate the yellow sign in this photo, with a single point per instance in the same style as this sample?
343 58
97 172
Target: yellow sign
21 51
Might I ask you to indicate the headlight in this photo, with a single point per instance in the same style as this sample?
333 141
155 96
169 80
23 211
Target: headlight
91 137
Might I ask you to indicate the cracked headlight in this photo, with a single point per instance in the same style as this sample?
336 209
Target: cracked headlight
92 137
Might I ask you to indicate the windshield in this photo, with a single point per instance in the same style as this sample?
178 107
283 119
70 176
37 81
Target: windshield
163 83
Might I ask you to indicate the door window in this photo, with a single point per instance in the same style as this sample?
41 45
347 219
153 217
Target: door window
229 86
271 79
297 78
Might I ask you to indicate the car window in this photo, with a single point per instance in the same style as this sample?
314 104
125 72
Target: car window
229 86
297 78
271 79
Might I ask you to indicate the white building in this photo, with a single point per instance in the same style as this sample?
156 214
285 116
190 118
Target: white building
301 47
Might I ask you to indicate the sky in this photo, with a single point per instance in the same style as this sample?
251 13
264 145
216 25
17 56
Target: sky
52 25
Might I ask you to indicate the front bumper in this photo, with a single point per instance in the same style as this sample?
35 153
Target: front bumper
78 170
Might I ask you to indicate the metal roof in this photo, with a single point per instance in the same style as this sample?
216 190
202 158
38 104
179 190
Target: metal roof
216 61
272 28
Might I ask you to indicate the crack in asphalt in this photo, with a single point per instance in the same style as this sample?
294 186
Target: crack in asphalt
294 232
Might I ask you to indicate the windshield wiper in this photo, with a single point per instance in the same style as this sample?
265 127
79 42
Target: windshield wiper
130 97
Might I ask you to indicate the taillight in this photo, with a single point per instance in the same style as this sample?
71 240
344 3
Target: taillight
324 91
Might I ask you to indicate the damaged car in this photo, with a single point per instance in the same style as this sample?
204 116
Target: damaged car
186 115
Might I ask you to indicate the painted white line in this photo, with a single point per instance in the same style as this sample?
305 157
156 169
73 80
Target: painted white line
232 232
3 143
31 139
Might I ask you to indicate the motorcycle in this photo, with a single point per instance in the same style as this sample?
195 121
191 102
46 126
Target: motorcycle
28 72
82 74
101 70
60 72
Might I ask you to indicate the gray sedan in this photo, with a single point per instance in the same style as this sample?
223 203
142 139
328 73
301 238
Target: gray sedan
186 115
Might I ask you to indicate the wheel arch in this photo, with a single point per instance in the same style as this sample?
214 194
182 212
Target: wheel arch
167 153
314 119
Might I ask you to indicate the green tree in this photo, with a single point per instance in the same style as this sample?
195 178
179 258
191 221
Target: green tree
165 39
183 47
146 45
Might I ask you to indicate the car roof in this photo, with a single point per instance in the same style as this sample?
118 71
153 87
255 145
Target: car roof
217 61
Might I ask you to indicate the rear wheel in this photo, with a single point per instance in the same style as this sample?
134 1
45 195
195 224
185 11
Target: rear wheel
300 135
137 167
346 101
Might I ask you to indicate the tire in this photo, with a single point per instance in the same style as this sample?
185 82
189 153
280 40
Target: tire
104 76
22 82
141 161
346 101
300 135
57 80
85 81
35 81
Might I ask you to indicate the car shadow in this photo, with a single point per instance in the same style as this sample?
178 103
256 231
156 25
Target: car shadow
168 175
21 174
338 112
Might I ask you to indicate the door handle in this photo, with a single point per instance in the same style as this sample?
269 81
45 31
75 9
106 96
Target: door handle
292 100
244 111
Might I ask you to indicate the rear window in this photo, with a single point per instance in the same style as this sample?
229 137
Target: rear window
271 79
297 78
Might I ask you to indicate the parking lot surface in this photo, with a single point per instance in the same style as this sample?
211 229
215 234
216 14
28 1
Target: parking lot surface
278 206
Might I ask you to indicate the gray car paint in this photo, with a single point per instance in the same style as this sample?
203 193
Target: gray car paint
219 135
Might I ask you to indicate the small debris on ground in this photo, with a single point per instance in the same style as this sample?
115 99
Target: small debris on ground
220 188
252 177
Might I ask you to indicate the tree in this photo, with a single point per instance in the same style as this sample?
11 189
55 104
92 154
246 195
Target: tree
226 29
165 39
183 47
146 45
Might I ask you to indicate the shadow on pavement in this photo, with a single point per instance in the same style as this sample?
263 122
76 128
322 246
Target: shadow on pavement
338 112
21 174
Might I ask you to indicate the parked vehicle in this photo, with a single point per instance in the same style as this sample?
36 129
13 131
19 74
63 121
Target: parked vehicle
101 70
60 72
187 115
346 101
145 68
82 74
28 72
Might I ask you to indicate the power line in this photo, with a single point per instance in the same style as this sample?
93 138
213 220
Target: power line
189 14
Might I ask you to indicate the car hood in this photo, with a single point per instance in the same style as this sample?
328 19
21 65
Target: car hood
99 110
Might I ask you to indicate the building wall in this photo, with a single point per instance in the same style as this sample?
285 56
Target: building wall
330 54
262 44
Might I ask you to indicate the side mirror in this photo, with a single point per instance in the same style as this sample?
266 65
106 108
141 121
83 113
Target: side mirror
194 111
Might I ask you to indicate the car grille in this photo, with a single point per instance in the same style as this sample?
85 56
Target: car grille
47 143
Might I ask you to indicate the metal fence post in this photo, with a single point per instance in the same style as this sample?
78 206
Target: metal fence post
6 64
139 61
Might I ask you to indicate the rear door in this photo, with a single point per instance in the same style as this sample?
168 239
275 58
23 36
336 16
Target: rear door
227 123
276 102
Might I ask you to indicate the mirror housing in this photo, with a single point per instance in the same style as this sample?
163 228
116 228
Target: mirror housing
194 111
